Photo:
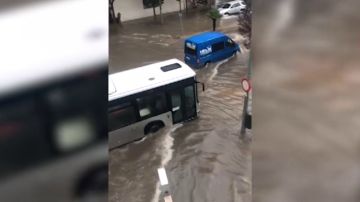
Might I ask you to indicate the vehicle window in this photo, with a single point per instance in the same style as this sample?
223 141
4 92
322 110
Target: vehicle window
226 5
235 5
121 116
189 101
176 106
22 132
151 105
229 43
190 48
217 46
190 51
73 133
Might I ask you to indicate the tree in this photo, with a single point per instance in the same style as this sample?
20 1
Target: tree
161 16
112 16
153 4
179 5
245 23
214 15
154 12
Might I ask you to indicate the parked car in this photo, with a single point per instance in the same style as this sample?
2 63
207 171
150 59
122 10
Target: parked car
232 7
208 47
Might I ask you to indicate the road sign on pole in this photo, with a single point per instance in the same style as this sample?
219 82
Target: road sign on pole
245 83
246 122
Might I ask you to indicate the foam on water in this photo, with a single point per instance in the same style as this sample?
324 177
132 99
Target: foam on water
166 153
215 71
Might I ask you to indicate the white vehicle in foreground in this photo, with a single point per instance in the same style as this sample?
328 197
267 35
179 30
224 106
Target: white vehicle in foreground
53 102
232 7
145 99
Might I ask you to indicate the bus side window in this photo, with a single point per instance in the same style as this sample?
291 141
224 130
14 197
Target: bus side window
160 103
122 116
73 132
217 46
151 105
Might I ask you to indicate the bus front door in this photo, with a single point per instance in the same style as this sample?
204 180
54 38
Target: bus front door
183 104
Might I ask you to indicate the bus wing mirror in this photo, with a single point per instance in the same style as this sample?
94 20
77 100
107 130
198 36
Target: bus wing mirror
202 84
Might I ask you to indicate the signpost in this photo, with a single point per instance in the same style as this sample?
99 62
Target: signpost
246 123
245 83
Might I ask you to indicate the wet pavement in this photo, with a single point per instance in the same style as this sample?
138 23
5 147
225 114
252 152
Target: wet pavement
206 160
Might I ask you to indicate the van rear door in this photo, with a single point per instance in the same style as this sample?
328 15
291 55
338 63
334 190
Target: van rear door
190 53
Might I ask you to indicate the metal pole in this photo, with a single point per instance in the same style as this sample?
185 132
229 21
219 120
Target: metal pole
242 131
249 65
181 24
246 117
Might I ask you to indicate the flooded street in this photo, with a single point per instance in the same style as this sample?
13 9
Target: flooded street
206 160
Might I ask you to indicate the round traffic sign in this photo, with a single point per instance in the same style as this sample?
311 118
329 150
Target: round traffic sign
245 83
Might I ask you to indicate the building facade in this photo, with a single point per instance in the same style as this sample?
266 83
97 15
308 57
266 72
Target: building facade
134 9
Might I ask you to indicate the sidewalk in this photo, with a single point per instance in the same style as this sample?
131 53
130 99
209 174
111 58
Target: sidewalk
175 24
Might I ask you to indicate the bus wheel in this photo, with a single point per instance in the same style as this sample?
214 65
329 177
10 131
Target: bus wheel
153 127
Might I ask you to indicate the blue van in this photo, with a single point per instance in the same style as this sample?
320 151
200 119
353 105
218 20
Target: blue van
208 47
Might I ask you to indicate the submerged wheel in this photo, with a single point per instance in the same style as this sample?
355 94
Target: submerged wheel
153 127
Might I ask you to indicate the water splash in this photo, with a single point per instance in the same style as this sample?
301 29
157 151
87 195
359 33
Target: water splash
215 71
166 153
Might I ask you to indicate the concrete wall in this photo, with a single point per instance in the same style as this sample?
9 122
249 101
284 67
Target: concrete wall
134 9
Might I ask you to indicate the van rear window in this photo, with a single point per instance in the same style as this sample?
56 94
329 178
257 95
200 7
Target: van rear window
190 48
190 51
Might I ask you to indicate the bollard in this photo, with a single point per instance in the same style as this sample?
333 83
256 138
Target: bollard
164 185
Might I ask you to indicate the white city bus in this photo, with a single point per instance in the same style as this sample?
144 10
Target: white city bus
145 99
